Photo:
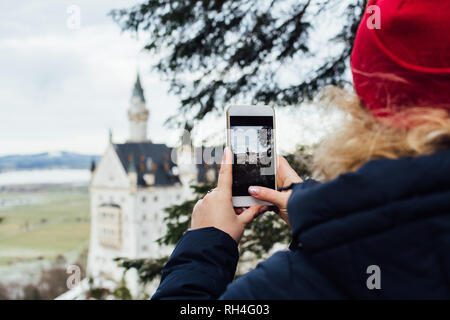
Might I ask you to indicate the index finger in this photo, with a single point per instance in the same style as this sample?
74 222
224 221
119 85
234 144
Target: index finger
285 174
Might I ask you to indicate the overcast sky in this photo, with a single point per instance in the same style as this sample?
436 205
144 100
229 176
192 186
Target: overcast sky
62 88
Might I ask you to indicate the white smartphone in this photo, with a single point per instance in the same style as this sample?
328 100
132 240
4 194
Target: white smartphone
251 138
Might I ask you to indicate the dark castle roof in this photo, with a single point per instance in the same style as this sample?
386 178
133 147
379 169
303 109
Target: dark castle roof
147 157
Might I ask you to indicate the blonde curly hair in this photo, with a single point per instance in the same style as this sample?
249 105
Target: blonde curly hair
361 137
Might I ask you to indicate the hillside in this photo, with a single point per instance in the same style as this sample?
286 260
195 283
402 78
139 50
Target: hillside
47 160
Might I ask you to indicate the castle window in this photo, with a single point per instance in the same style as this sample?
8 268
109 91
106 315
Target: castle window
144 248
155 198
109 222
143 199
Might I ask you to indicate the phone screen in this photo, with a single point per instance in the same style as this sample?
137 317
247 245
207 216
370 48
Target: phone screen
252 144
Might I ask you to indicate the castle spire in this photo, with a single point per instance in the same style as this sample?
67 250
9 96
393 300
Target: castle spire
138 114
138 91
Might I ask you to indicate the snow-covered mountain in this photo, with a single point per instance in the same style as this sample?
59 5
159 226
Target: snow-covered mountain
47 160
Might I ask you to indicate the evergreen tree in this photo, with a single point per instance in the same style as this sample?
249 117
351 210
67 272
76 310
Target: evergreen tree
122 292
216 51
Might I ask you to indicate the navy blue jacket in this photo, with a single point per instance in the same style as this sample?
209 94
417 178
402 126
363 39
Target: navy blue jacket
394 214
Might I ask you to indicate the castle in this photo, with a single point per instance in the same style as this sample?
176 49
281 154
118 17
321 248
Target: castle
131 185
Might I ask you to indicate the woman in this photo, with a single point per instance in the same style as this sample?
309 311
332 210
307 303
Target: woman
379 224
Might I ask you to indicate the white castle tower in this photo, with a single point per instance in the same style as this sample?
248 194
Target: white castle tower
130 187
138 114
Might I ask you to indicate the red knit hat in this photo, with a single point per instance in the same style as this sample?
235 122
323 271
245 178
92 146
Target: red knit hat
406 62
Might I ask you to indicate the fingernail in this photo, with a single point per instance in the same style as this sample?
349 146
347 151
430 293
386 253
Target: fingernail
263 209
253 190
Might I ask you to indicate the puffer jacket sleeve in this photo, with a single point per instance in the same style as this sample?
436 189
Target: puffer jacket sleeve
201 266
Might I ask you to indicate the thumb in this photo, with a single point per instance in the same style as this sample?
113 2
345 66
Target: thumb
225 179
248 215
276 197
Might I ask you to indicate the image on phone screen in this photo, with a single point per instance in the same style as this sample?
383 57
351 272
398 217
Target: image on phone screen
251 140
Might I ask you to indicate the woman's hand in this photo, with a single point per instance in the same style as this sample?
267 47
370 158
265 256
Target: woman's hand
216 208
285 177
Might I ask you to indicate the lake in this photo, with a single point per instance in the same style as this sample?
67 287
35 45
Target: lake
47 176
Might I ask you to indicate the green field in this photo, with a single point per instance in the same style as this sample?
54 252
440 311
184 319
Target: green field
56 222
